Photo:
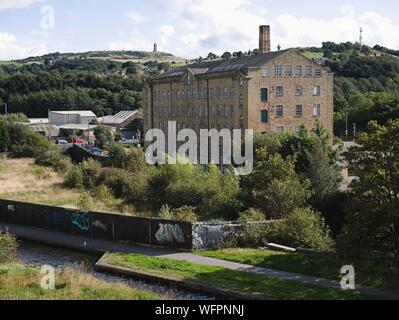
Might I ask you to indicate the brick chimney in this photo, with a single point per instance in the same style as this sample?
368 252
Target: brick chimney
264 39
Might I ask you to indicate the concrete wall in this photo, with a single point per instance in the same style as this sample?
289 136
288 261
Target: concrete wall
173 234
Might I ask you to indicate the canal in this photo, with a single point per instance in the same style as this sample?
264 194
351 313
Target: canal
38 254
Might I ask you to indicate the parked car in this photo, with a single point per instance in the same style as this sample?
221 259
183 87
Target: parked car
62 142
78 141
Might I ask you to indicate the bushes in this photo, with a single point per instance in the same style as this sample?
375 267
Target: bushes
302 228
26 143
8 247
181 214
55 160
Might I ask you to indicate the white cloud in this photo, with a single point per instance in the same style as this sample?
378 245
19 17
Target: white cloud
10 49
16 4
135 17
166 32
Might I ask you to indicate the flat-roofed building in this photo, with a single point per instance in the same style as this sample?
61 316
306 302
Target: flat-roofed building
59 118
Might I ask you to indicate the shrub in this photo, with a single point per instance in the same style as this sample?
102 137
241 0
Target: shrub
252 231
55 160
85 201
25 142
184 213
91 171
74 178
8 247
302 228
119 181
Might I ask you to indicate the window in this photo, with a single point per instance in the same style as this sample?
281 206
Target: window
241 81
316 110
308 71
265 72
194 93
279 91
188 94
280 111
189 79
298 71
316 90
225 92
278 71
178 94
241 122
264 94
280 129
298 111
318 72
264 116
241 101
232 92
205 93
219 92
288 71
298 90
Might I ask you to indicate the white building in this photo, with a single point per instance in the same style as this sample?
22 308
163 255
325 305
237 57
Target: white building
60 118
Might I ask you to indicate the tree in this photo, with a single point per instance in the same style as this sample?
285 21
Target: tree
4 136
103 135
372 231
227 55
274 186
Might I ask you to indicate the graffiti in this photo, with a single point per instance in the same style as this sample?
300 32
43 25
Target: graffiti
100 225
81 220
58 218
168 233
11 208
207 236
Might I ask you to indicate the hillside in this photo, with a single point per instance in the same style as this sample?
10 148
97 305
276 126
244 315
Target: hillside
366 85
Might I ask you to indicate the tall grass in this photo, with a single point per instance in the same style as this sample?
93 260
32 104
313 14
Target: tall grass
8 247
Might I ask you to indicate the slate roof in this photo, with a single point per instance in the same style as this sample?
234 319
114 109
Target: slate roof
222 66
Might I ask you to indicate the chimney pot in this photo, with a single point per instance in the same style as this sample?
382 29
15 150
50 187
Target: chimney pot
264 39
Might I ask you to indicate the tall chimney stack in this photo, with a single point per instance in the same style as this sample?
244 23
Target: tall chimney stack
264 39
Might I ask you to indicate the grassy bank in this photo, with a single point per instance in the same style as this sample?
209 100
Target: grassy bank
18 282
324 266
236 280
22 180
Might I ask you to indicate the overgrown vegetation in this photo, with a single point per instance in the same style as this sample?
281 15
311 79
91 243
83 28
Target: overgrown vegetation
18 282
8 247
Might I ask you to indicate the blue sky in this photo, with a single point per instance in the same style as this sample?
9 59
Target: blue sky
188 28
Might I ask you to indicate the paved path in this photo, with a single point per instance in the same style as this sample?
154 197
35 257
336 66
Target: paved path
101 246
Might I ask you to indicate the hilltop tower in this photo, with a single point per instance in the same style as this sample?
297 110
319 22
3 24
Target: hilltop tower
155 47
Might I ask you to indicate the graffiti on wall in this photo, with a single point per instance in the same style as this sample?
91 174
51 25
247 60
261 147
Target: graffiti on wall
11 208
81 221
169 233
100 225
207 236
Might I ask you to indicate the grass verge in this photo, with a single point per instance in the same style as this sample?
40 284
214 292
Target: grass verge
237 280
18 282
317 265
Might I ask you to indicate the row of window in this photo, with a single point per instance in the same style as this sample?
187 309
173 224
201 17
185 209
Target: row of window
163 125
219 93
289 71
298 112
195 111
279 91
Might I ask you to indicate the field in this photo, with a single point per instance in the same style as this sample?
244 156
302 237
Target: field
22 180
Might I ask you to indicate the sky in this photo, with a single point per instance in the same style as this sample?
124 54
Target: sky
189 28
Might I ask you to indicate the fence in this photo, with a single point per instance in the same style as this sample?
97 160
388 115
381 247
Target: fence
149 231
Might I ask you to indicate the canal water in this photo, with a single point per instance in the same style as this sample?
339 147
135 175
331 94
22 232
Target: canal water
38 254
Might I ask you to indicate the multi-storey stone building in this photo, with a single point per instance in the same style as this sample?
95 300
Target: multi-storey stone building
269 92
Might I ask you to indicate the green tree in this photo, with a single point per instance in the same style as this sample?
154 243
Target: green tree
103 135
372 230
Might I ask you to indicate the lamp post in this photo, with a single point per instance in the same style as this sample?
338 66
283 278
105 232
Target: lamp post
6 109
347 125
